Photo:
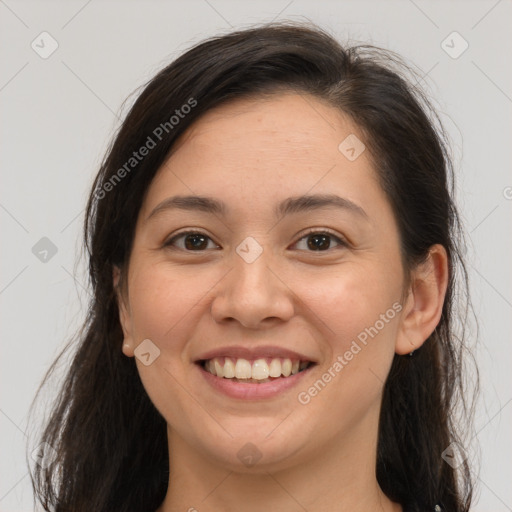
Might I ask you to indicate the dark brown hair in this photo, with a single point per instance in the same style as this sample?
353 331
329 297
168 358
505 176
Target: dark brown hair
110 442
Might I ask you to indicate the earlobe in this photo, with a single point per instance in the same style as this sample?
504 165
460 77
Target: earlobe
128 350
424 304
124 314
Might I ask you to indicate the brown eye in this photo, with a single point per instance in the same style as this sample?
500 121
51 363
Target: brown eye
192 241
320 241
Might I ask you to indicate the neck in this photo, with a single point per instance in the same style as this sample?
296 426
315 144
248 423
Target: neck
340 480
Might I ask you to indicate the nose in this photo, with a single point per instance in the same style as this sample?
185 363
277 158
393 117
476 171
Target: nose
253 294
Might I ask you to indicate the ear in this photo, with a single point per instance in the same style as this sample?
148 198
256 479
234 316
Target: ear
424 303
124 313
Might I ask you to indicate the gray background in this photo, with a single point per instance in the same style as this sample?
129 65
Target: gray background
58 114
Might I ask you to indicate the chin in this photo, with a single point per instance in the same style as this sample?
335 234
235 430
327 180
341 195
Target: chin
254 451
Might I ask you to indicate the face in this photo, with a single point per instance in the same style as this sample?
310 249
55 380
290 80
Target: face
266 284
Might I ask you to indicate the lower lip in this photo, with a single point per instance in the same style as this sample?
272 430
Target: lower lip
250 390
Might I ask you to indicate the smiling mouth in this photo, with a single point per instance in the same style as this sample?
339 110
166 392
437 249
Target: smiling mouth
254 371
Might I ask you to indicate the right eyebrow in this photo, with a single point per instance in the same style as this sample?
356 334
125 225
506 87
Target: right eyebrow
190 203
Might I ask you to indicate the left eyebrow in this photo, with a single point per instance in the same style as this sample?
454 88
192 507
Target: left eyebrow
289 206
315 202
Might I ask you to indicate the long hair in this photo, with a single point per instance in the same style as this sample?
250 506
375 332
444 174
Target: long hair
108 442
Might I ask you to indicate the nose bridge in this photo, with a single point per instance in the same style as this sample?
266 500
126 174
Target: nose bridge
252 291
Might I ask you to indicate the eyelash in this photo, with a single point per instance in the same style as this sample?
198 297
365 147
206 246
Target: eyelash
311 231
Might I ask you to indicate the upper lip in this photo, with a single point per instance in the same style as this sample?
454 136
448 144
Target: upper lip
251 353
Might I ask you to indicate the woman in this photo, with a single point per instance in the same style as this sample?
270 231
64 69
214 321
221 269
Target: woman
273 253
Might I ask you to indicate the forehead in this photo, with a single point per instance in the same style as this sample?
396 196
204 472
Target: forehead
282 123
263 150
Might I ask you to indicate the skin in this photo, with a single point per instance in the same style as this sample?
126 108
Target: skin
252 154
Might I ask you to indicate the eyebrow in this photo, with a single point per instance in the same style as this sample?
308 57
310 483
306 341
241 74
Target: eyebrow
287 207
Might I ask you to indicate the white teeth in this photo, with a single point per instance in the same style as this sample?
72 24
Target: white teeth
260 370
210 367
243 369
219 370
286 368
229 368
274 370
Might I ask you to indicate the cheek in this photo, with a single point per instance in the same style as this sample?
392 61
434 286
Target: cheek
351 301
165 306
359 311
163 299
